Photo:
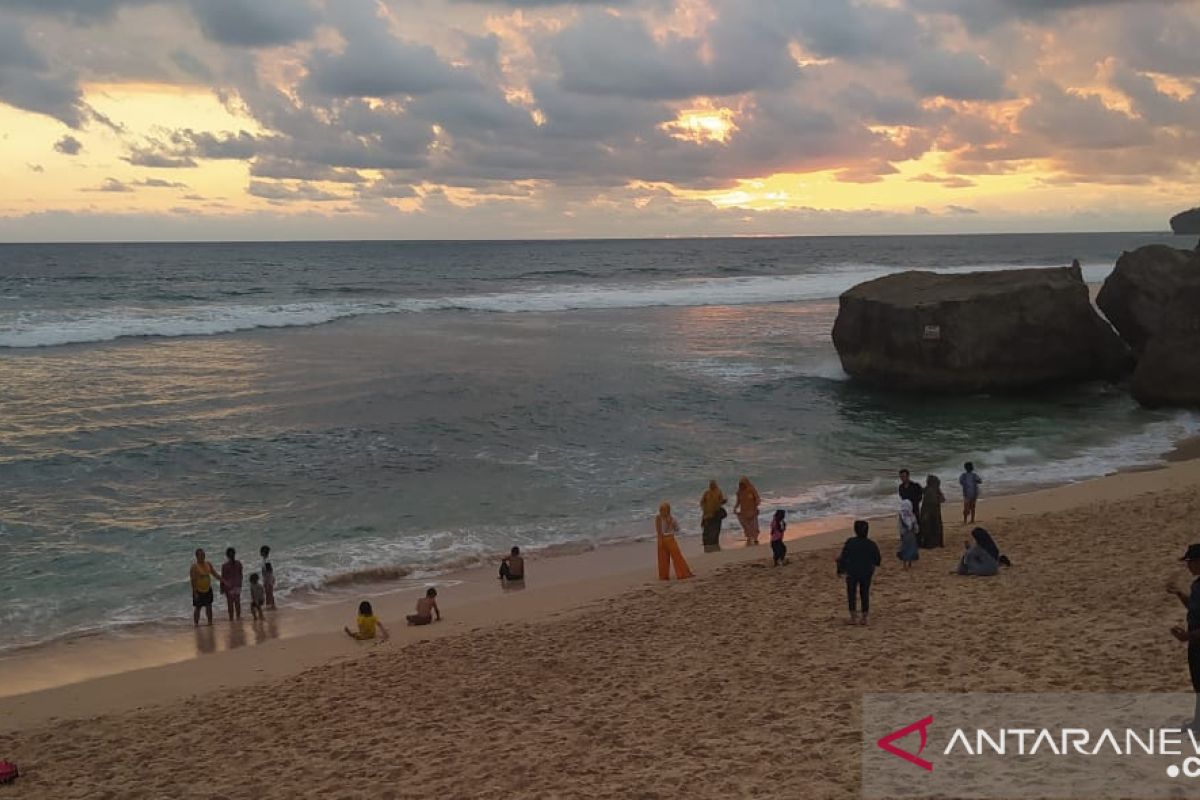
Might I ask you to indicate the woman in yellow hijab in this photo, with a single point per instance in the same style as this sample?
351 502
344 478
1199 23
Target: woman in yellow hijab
668 549
712 511
746 509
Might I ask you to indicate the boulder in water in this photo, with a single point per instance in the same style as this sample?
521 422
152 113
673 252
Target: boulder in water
1168 372
978 332
1145 282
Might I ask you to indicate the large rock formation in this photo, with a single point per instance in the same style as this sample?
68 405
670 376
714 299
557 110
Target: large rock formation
976 332
1186 222
1136 295
1168 372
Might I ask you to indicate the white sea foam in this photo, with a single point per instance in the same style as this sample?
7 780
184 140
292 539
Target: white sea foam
49 327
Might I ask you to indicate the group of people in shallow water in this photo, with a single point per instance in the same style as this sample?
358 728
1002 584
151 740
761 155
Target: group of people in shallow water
230 580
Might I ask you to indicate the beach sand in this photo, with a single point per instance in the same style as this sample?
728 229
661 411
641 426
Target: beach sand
744 682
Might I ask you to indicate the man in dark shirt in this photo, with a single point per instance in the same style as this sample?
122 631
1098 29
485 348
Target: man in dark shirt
1191 634
859 558
911 491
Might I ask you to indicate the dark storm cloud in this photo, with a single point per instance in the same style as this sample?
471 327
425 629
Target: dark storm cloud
30 82
254 23
68 145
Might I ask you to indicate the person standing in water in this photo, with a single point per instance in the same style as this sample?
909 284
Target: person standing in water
665 528
746 509
1191 634
267 571
202 575
858 561
969 481
231 583
712 511
932 534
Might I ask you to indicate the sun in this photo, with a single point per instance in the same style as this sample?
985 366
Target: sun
702 125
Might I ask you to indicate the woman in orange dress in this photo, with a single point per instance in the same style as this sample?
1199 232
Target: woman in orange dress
746 509
666 527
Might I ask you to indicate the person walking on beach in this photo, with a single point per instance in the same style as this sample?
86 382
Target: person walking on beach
712 511
746 509
268 575
231 583
908 529
512 566
367 625
426 607
930 518
202 575
969 481
911 491
778 548
1191 634
859 558
665 528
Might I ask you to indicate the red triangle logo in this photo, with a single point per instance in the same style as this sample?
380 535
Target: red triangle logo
886 743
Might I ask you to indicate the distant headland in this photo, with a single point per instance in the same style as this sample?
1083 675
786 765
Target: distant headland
1186 222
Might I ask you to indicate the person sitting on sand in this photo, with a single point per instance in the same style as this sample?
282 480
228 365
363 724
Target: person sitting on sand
712 511
858 561
427 607
969 481
746 509
512 566
202 575
665 528
778 548
983 556
1191 634
231 583
368 625
908 528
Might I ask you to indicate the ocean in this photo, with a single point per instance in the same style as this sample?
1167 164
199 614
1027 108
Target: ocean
380 410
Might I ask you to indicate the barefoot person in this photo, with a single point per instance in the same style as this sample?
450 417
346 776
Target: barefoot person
746 509
267 571
969 481
858 561
712 511
908 528
512 566
367 625
231 583
427 607
665 528
1191 634
258 597
202 576
778 548
930 518
911 491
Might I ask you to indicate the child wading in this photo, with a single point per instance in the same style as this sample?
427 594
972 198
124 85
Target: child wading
778 548
257 597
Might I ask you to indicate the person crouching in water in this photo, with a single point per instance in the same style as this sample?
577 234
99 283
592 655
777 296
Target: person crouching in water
512 566
859 558
778 548
427 607
368 625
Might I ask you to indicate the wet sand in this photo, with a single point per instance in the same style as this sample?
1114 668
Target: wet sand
742 682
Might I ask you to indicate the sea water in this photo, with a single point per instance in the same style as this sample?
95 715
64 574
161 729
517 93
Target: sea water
375 410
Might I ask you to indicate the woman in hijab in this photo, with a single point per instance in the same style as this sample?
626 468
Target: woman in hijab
983 556
908 527
712 511
931 513
665 528
746 509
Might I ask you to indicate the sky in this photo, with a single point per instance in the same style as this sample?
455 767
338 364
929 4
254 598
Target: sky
455 119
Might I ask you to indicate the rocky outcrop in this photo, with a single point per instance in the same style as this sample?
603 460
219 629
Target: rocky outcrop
1168 372
1186 222
1145 282
977 332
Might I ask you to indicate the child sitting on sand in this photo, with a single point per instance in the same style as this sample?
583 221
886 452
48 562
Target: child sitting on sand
368 623
426 608
257 597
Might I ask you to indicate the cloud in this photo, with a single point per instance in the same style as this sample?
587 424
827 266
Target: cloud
29 81
254 23
290 192
112 185
68 145
956 76
148 157
949 181
35 167
159 183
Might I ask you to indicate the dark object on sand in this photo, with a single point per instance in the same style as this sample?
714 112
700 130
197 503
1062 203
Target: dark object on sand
1144 284
1186 222
978 332
8 772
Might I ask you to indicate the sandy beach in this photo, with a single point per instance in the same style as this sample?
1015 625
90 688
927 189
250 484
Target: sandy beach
742 682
